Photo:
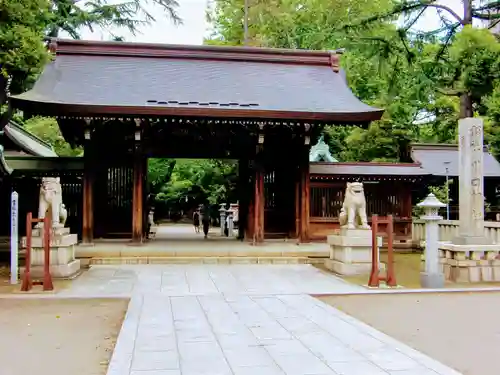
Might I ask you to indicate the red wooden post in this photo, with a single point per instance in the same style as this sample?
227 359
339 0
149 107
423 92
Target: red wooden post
26 284
375 277
374 274
390 276
47 278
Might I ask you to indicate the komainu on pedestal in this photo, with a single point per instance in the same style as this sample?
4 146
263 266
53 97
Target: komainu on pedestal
351 245
50 200
62 243
353 212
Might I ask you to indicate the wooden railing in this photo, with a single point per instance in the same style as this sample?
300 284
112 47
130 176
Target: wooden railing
449 229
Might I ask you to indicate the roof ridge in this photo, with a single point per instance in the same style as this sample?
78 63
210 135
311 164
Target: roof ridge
203 52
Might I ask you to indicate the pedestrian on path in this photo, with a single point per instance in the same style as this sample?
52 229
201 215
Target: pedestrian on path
196 221
205 218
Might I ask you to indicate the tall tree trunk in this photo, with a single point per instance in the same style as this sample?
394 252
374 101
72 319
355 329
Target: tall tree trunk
466 98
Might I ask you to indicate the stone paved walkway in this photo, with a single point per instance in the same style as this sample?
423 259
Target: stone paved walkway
206 279
242 319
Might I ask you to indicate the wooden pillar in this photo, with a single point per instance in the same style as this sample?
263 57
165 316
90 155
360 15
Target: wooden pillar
249 230
304 197
243 198
259 205
297 204
137 188
88 189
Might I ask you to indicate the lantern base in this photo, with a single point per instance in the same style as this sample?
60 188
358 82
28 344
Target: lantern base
431 280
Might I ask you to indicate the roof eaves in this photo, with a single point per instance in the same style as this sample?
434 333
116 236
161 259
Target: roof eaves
12 127
4 167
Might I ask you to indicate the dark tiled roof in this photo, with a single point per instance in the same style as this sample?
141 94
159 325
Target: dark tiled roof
364 169
432 157
169 80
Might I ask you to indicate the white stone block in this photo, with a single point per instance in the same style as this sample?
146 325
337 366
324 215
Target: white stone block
364 233
58 255
351 254
466 248
38 232
57 271
496 274
486 273
351 251
64 240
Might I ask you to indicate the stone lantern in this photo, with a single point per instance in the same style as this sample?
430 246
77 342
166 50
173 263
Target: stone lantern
222 213
432 277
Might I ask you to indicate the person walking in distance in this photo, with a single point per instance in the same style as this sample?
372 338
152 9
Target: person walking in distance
196 221
205 219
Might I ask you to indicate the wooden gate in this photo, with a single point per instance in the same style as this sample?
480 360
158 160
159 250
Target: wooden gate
113 202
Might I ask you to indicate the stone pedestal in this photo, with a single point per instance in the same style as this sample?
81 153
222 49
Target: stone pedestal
351 251
62 253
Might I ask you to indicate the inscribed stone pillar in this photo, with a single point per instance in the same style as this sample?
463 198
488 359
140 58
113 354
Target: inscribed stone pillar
471 200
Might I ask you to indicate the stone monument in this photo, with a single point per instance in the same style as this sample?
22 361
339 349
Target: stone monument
62 243
471 255
351 245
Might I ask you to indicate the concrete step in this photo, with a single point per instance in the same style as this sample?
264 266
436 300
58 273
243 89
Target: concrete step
201 260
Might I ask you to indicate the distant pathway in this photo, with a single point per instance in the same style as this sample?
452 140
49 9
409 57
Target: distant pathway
242 319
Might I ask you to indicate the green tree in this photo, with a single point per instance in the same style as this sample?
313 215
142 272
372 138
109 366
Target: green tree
47 129
183 184
159 173
71 16
451 24
23 53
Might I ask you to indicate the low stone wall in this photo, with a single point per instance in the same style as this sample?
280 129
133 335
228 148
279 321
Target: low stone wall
468 265
449 229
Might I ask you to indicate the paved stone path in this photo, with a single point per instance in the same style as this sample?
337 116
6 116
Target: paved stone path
242 319
207 279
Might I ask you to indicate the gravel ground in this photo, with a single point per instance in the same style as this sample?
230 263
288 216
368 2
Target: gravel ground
58 337
459 329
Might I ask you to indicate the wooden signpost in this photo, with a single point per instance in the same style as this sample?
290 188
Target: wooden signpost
375 277
27 283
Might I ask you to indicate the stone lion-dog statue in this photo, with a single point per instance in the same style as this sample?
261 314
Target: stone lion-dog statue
353 212
51 199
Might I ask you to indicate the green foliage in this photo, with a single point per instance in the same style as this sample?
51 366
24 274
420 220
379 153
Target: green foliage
183 184
417 77
22 52
46 129
474 62
159 173
71 16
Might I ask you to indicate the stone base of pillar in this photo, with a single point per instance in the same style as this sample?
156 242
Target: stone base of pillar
351 251
431 280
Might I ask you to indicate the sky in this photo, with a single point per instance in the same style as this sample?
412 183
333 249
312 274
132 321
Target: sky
195 27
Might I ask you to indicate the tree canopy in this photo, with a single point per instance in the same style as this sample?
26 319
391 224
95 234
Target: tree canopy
417 76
